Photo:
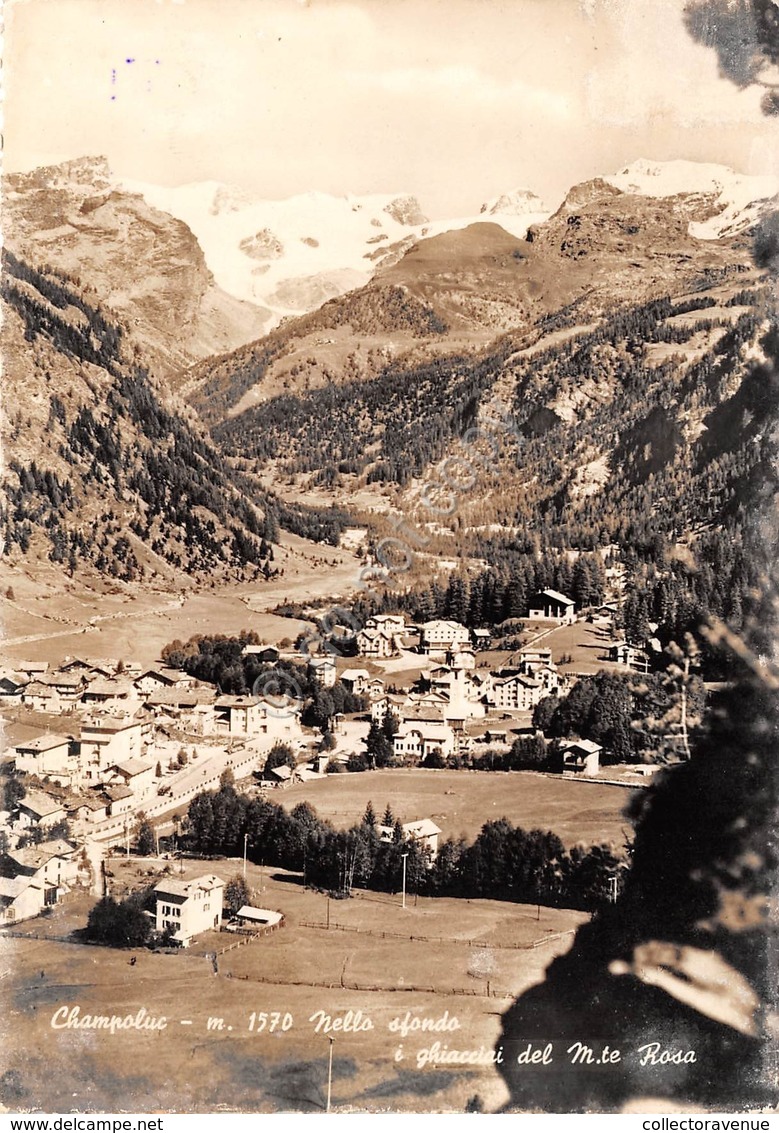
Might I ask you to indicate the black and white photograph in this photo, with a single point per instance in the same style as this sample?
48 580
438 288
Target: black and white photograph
388 690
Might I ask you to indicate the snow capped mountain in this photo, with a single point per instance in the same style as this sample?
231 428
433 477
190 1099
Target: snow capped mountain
518 202
738 199
288 255
292 255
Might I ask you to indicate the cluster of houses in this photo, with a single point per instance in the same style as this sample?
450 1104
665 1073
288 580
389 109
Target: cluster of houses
111 689
35 877
120 733
436 715
121 726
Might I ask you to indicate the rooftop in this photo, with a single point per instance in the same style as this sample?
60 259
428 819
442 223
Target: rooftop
45 742
172 888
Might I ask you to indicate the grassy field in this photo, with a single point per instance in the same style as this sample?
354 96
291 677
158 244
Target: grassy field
460 802
188 1068
45 622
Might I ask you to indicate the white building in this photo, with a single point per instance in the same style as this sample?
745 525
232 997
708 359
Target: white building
552 606
417 739
514 691
423 831
356 680
135 774
377 643
106 741
439 637
322 670
189 907
581 757
44 755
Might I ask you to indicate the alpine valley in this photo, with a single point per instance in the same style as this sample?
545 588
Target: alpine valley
195 376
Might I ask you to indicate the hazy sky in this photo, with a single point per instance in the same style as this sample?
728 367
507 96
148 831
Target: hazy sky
453 100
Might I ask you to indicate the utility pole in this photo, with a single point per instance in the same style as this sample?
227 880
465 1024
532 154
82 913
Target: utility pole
404 856
329 1074
613 888
245 843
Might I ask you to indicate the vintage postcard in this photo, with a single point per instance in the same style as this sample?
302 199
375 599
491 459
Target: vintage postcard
387 690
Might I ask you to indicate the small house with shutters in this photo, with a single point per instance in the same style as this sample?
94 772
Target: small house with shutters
188 908
440 636
135 774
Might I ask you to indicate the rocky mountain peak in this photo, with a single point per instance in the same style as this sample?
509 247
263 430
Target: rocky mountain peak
406 210
516 202
82 173
587 193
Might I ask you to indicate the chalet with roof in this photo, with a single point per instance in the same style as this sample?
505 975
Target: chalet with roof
357 681
46 755
389 702
389 623
423 831
538 664
120 799
581 757
515 691
55 863
162 677
238 715
415 740
267 654
90 808
378 644
111 693
552 606
39 809
135 774
55 692
90 666
191 710
189 908
22 897
12 685
631 656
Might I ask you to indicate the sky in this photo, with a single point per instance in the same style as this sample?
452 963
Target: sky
454 101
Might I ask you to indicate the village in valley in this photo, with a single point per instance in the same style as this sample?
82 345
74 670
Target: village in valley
113 753
388 689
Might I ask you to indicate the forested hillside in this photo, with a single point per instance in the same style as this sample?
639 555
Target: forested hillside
102 467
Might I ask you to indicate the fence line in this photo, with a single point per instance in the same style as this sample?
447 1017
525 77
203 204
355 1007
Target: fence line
489 992
437 939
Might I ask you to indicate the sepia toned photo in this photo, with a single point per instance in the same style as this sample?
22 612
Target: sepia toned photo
388 678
